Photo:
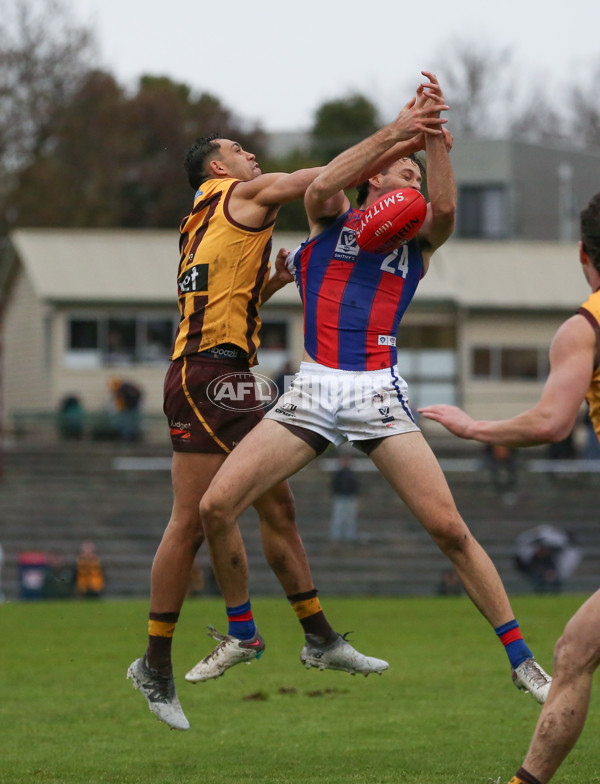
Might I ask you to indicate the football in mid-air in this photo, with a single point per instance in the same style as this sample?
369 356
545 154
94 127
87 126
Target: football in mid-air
391 221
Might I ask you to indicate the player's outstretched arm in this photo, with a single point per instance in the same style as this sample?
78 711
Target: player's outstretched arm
553 417
273 190
421 115
441 188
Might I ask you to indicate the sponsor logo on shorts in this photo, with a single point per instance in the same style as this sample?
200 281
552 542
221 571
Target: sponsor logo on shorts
386 340
180 430
287 409
242 391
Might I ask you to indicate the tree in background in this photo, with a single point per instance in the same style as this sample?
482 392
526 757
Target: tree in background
43 58
341 123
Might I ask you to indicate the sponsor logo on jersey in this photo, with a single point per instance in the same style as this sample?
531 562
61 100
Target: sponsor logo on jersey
193 279
386 340
347 248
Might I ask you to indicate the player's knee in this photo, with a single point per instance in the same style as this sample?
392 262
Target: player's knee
213 513
576 652
452 535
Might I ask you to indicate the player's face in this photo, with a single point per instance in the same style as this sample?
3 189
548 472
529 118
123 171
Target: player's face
236 162
402 174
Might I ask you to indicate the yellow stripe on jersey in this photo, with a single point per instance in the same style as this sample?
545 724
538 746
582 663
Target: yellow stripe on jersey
592 312
223 269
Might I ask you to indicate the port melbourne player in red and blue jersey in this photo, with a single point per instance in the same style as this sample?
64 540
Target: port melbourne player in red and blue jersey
349 387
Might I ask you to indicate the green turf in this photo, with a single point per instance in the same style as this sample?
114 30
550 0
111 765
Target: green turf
445 712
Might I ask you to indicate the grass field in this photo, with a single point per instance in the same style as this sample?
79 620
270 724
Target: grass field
445 712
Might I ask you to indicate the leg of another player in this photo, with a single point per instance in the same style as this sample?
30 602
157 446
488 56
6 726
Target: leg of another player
411 468
268 455
281 541
576 657
285 554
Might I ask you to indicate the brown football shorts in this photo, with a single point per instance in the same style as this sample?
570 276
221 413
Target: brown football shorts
211 403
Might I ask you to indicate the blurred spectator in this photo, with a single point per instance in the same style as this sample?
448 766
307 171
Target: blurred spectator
127 401
501 462
90 578
122 420
345 489
547 556
70 417
450 584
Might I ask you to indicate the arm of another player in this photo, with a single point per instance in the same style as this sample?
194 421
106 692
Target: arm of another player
553 417
325 197
281 277
441 186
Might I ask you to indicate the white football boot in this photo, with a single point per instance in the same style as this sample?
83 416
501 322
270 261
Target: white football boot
160 692
229 652
339 655
530 677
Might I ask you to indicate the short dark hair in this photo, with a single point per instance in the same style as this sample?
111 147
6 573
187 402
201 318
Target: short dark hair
590 231
195 159
362 190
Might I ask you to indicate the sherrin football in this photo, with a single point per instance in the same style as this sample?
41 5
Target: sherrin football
391 221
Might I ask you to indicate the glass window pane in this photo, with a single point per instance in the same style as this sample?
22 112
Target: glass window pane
481 362
120 341
83 334
437 364
430 394
157 339
519 363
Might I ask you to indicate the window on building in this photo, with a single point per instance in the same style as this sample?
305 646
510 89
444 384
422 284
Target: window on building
103 340
427 362
482 212
509 363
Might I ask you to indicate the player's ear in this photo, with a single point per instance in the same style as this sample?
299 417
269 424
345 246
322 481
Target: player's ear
583 257
375 182
217 167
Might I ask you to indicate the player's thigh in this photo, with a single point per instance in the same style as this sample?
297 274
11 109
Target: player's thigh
411 468
264 458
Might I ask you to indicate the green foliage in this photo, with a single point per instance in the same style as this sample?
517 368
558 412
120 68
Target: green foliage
446 710
341 123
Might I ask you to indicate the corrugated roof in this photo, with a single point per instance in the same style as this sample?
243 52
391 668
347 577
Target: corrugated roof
140 266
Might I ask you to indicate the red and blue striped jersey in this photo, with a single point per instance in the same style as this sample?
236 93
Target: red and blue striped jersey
353 300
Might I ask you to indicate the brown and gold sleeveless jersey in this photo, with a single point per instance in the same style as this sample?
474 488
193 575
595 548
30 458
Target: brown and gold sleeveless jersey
591 310
223 269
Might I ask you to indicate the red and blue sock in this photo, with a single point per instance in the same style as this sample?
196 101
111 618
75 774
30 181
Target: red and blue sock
512 639
241 621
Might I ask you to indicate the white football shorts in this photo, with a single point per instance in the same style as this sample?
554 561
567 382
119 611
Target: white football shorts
346 405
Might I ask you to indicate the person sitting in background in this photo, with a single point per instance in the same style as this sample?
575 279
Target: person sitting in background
90 577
